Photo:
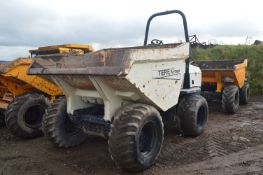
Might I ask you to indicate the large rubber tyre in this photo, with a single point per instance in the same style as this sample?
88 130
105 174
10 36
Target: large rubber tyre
136 137
24 115
59 128
2 117
244 94
193 113
230 99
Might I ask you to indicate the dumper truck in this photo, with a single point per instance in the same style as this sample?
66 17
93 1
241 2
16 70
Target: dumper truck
120 94
225 80
4 95
23 97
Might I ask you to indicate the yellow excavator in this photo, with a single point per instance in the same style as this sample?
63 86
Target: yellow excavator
24 98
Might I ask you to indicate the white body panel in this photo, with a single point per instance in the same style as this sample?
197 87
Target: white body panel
195 76
161 82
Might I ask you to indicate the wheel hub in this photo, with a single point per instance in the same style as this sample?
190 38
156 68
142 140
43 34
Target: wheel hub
146 140
33 116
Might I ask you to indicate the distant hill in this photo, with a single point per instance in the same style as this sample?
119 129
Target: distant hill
254 53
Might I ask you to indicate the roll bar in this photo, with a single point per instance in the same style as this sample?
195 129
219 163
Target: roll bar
162 14
186 84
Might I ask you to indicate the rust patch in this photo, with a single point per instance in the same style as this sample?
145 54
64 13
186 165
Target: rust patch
104 62
217 65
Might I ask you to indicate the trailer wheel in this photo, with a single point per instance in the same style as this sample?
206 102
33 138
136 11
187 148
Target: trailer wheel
24 115
244 94
136 137
59 128
193 114
230 99
2 117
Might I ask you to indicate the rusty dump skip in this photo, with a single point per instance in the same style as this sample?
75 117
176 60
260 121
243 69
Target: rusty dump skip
13 76
218 65
7 66
214 72
104 62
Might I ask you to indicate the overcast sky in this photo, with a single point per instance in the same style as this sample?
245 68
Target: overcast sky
27 24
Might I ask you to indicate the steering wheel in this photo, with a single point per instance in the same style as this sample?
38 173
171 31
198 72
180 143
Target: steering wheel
156 42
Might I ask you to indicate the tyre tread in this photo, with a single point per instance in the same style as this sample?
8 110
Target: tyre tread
120 143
